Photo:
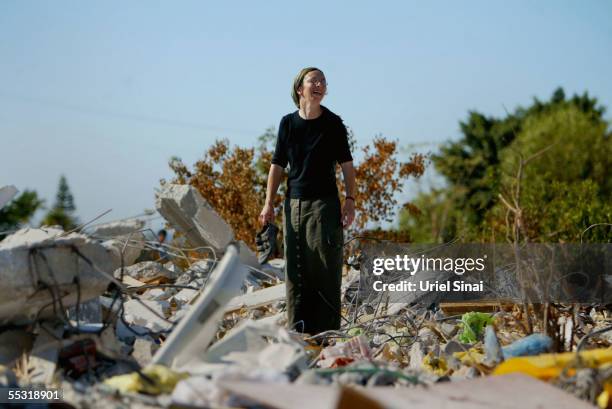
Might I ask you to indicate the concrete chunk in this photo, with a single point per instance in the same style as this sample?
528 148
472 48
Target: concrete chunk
258 298
146 271
137 313
118 228
38 267
186 210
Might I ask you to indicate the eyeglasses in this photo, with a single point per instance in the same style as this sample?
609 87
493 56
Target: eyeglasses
313 81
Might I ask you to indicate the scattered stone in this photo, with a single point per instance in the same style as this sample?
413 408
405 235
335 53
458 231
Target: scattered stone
184 296
137 313
118 228
158 294
146 271
143 351
449 330
186 209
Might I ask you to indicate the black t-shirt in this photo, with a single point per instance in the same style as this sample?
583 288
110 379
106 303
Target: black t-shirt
311 147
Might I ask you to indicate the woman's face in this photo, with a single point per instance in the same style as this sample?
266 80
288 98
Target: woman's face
314 87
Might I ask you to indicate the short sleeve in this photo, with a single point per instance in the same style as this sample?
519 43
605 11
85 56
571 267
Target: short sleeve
343 150
280 151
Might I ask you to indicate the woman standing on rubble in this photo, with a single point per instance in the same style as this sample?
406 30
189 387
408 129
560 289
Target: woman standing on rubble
311 141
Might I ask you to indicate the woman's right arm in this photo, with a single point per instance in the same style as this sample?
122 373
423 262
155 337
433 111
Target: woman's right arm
274 178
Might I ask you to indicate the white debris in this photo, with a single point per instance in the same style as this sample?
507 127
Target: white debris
118 228
137 313
185 209
147 271
33 261
184 296
157 294
196 330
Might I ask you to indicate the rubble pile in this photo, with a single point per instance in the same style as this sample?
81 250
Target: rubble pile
87 314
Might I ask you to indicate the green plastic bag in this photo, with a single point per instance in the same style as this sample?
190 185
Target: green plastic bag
472 324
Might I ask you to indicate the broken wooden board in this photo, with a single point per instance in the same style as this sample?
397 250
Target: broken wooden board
503 392
257 298
459 308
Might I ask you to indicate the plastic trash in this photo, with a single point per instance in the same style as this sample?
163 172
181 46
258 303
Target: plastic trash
159 379
493 349
533 344
548 366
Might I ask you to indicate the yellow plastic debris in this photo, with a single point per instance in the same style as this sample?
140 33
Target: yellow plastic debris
547 366
603 400
163 380
435 365
470 357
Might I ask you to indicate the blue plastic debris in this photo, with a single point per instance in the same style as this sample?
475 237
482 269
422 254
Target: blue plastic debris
533 344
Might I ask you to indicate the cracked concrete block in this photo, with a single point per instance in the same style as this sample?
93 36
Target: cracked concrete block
118 228
7 193
146 271
184 296
88 312
138 314
157 294
186 210
38 267
131 245
143 351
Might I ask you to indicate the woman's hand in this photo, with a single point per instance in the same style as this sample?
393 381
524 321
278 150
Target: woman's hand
267 214
348 213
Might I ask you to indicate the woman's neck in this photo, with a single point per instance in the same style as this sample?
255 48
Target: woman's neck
310 111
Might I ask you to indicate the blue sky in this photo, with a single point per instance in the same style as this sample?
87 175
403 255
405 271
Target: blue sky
107 92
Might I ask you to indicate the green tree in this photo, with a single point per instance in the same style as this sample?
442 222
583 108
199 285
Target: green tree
62 212
19 211
482 165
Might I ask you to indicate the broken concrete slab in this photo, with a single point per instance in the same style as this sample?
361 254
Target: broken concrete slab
7 193
248 338
117 228
87 312
191 337
143 351
185 209
138 312
40 267
129 246
158 294
146 271
184 296
282 357
257 298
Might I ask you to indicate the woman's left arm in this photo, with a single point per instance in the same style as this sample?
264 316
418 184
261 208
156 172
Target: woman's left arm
348 210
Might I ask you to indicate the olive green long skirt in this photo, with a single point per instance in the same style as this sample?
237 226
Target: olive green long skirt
313 257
